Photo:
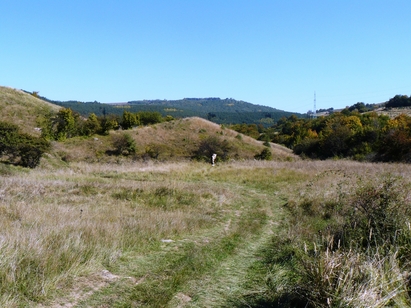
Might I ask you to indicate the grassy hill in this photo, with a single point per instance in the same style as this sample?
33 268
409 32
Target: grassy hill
394 112
174 140
169 141
22 109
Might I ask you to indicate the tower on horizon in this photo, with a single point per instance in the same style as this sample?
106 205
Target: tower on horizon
315 107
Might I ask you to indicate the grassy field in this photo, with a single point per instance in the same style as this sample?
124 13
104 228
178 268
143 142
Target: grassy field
186 234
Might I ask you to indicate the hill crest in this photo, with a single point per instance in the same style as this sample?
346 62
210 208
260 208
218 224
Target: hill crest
167 141
22 109
220 111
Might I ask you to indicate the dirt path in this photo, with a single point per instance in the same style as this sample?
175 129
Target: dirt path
228 280
192 271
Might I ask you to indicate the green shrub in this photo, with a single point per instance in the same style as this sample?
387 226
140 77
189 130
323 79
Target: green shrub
267 144
154 150
264 155
20 149
149 117
213 145
124 144
378 212
129 120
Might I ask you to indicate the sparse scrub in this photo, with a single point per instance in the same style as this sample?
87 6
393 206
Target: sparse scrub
349 247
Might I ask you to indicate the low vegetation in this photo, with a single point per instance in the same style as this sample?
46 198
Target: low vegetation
176 140
347 246
239 234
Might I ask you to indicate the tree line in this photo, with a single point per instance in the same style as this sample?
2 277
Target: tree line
347 134
68 123
221 111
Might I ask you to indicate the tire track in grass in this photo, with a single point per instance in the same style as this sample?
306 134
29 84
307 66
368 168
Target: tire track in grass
228 280
167 273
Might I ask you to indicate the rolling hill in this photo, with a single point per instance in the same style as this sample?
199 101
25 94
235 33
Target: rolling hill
22 109
168 141
220 111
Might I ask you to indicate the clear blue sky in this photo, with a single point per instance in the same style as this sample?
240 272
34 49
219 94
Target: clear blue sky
273 53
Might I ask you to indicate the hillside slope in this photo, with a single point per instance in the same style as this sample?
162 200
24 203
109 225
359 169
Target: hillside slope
394 112
168 141
22 109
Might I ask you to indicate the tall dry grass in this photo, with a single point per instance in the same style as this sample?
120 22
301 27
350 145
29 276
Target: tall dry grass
22 109
347 243
59 224
67 222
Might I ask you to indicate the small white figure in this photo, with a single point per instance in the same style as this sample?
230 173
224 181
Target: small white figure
213 157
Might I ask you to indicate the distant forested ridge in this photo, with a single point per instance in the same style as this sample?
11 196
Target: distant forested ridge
221 111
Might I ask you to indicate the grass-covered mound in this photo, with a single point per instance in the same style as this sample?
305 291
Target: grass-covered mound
168 141
23 109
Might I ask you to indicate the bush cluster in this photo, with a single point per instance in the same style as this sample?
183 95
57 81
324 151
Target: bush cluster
346 134
67 123
213 145
19 148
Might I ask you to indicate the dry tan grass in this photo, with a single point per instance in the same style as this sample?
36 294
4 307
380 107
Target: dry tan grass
22 109
63 223
394 112
56 225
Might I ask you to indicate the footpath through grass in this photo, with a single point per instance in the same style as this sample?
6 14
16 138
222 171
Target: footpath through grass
183 234
241 234
210 266
259 234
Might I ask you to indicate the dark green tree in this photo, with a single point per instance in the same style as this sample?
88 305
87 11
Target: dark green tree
109 122
66 124
149 117
399 101
20 149
264 155
91 126
213 145
45 122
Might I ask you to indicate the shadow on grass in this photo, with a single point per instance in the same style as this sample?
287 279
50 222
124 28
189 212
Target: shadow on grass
260 301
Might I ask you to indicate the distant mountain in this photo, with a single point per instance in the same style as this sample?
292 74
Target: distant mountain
221 111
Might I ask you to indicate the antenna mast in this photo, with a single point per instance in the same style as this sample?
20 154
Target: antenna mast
315 107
